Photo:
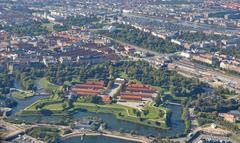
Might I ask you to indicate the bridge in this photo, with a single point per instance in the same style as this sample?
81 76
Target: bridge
14 130
123 136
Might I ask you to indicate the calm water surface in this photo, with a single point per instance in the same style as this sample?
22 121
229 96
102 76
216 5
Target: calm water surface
112 122
95 139
177 125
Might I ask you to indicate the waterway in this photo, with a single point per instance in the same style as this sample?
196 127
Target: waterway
177 125
22 104
95 139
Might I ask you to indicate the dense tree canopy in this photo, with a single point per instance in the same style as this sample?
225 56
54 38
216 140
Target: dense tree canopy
200 36
31 28
26 79
6 82
78 20
60 28
215 102
7 102
140 71
146 40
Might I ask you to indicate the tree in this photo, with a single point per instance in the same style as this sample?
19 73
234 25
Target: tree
96 99
157 123
111 72
134 111
60 28
110 84
137 37
132 132
121 130
72 126
120 114
145 112
64 105
69 103
39 106
161 113
138 113
158 100
104 126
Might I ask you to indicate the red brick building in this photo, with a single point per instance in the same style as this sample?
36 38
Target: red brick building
88 89
137 92
132 98
229 118
232 116
106 99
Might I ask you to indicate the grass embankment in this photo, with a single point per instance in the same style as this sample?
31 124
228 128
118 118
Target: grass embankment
53 105
21 95
47 134
152 119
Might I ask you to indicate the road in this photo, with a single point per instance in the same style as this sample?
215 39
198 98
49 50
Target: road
204 73
114 89
123 136
207 74
188 24
19 129
13 130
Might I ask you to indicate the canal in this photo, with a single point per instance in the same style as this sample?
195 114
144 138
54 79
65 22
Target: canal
95 139
177 124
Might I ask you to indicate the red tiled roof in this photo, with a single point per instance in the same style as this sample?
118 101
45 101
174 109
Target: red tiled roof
86 94
140 89
131 97
84 90
233 5
87 86
95 83
136 85
143 95
106 99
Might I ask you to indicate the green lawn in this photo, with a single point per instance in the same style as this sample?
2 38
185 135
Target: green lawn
56 106
123 75
155 113
46 101
121 112
46 134
127 113
113 108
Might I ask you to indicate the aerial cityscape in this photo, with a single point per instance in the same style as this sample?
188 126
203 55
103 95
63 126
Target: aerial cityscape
120 71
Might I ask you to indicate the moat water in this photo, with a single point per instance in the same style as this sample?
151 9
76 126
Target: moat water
177 124
95 139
